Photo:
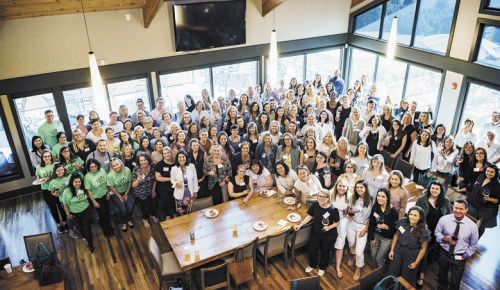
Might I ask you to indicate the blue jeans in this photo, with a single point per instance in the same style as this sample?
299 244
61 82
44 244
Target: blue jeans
122 210
381 250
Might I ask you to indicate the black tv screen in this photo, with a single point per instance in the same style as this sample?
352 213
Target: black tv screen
209 24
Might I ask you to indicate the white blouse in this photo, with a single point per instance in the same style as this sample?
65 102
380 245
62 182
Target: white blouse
286 182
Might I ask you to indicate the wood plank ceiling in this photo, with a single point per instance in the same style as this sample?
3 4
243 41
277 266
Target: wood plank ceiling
15 9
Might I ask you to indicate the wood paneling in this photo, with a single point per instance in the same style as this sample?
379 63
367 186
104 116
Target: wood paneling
149 11
269 5
123 262
356 2
13 9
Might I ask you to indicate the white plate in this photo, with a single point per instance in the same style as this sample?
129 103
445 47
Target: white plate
267 193
26 270
289 200
40 181
211 213
293 217
260 226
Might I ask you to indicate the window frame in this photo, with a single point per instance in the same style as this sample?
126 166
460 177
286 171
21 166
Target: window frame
462 100
184 69
476 43
131 78
484 9
257 70
19 174
352 25
17 120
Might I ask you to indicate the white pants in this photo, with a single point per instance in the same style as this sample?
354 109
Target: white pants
356 243
342 234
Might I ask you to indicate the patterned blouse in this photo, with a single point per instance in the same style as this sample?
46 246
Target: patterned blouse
145 188
221 171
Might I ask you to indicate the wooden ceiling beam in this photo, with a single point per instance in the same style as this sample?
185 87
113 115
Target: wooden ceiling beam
149 11
356 3
269 5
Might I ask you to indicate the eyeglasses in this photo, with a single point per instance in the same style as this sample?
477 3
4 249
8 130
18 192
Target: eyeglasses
479 153
322 196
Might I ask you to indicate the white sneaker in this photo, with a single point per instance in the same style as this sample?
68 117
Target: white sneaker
321 272
73 234
146 223
309 269
155 219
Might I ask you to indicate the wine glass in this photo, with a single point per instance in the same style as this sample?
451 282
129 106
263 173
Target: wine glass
380 220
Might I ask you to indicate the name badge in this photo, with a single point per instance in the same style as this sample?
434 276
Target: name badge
376 215
263 155
316 173
401 229
459 257
476 169
87 149
239 145
326 215
242 184
106 162
220 166
134 164
166 169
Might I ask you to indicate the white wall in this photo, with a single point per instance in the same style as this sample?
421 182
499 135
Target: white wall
56 43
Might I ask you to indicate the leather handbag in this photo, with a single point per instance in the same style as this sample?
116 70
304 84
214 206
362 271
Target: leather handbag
48 269
241 269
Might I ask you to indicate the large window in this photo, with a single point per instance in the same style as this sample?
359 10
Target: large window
368 23
175 86
82 101
405 11
479 105
30 111
237 76
489 46
390 79
8 164
127 92
323 63
423 87
434 24
362 63
289 67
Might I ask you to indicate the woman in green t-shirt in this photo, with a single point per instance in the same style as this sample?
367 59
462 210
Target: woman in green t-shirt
61 141
96 184
44 172
77 207
72 163
119 181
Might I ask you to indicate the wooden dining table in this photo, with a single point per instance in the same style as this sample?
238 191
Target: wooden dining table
215 238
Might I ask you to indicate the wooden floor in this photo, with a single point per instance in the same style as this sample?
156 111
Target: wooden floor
123 262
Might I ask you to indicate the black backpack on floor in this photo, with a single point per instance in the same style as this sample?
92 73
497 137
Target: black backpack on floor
48 269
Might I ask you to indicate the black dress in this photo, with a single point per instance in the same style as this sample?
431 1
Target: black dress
344 114
372 141
239 188
164 189
394 143
407 132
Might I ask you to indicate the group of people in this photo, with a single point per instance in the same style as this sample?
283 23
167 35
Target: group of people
319 142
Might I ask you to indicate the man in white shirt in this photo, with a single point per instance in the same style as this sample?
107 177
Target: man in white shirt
158 111
491 146
493 125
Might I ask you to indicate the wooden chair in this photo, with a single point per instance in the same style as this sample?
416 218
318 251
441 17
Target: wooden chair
215 276
166 265
247 251
405 168
32 241
406 285
274 245
308 283
200 203
299 239
368 281
388 160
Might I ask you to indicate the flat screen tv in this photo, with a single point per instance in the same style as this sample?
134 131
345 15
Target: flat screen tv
209 24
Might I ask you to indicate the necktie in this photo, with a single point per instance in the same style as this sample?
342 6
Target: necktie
454 237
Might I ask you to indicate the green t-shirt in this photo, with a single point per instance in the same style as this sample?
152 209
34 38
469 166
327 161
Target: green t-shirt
70 167
97 183
120 181
48 132
44 172
56 149
59 185
77 203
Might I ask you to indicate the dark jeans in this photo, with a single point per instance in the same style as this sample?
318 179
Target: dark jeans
448 263
216 194
416 174
83 222
148 207
55 206
323 246
122 210
103 213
